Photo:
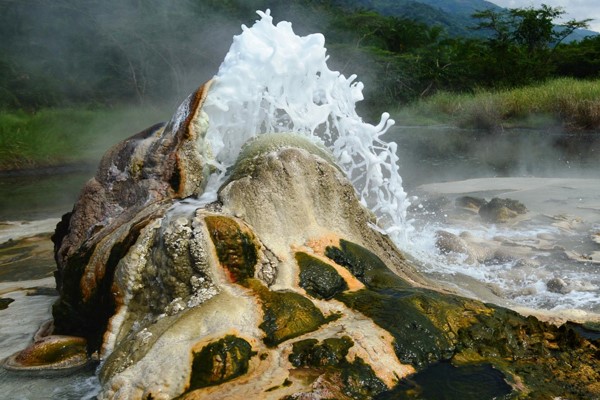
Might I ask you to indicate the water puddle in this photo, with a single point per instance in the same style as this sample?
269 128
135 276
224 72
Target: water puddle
443 381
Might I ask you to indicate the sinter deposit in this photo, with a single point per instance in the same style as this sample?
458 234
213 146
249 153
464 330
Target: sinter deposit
230 254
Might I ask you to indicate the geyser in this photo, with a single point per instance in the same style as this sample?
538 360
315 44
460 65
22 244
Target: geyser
221 256
275 81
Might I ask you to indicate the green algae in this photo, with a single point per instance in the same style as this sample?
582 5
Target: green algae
329 357
330 352
52 352
286 314
429 327
365 265
319 279
236 250
360 382
392 304
589 330
417 340
220 361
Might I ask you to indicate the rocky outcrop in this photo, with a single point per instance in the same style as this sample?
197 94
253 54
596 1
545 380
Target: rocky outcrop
501 210
279 289
162 162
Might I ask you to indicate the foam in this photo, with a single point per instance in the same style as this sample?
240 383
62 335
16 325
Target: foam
275 81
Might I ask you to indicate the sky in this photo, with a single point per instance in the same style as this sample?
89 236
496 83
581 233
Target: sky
574 9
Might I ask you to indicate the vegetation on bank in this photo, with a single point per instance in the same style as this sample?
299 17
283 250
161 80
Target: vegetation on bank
566 102
57 136
77 75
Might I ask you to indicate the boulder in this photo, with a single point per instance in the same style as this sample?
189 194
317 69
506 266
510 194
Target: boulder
470 203
557 285
501 210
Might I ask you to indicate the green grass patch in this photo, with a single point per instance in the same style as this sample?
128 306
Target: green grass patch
574 104
52 137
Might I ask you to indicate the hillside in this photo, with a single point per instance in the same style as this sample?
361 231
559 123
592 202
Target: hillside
453 15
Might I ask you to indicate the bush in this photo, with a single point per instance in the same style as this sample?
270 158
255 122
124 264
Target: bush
573 103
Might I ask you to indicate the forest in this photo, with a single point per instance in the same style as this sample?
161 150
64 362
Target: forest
100 55
69 52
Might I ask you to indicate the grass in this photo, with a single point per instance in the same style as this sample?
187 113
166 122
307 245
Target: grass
52 137
574 104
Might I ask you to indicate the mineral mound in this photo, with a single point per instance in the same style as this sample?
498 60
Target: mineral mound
281 288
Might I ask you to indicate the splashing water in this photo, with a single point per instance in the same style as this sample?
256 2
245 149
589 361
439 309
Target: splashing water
275 81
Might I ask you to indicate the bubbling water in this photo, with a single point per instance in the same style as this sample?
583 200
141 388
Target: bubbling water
275 81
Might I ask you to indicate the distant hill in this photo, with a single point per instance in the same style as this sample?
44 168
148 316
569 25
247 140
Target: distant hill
580 34
453 15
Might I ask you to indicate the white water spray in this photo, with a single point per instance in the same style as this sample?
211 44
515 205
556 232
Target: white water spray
275 81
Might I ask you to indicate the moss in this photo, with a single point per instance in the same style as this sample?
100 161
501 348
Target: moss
318 278
331 352
220 361
286 314
236 250
365 266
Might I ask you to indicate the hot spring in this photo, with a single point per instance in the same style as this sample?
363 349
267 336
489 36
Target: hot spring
273 81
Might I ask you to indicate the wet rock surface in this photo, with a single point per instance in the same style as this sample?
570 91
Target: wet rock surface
50 353
501 210
542 262
279 289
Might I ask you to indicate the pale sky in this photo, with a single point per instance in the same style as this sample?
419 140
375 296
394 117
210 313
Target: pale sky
574 9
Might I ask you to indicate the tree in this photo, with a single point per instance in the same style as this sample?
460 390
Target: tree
523 42
533 28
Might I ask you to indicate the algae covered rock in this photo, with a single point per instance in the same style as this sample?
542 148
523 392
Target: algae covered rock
281 288
50 353
220 361
501 210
